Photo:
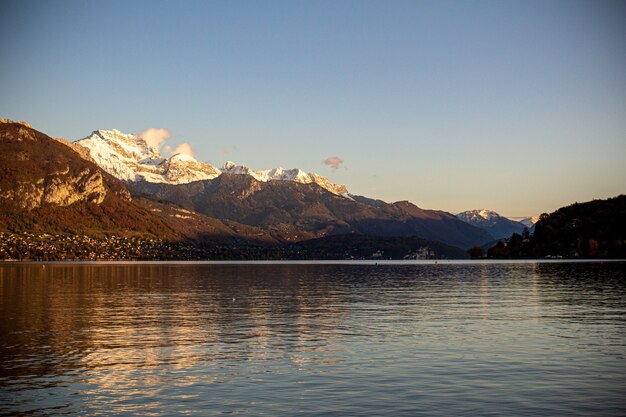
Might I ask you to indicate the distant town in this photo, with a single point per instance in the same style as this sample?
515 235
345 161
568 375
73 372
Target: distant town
54 247
27 246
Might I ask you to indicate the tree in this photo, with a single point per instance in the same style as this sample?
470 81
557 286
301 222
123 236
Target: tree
475 252
500 250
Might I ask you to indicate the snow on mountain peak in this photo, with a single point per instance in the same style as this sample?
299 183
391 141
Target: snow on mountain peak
281 174
478 216
487 214
130 158
182 157
529 221
498 226
228 165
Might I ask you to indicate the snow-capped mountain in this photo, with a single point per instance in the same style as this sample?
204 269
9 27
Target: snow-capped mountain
498 226
529 221
129 158
479 217
280 174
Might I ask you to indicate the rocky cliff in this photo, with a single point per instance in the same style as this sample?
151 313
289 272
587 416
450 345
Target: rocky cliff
36 171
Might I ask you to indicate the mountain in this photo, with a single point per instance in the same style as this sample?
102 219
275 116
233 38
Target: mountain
129 158
369 201
496 225
57 202
292 211
50 188
529 222
47 187
595 229
280 174
290 204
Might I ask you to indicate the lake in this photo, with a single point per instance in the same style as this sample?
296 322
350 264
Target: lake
278 339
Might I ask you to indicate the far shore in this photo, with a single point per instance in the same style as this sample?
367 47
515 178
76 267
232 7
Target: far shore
312 262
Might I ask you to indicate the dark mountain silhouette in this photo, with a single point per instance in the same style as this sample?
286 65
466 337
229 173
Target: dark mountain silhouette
595 229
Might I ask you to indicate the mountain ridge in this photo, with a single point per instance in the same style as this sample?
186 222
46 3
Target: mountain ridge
496 225
292 204
304 211
233 208
130 158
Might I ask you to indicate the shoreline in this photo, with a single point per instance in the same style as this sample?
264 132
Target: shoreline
389 262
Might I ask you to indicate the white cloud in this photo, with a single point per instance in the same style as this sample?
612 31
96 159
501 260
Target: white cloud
155 137
184 148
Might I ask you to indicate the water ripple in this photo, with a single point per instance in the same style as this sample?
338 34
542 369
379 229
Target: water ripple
517 339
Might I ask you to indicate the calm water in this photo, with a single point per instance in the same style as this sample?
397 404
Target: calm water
520 339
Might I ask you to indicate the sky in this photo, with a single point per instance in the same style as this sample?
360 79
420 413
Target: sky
514 106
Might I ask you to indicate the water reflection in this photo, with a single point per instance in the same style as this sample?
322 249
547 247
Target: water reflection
127 317
170 338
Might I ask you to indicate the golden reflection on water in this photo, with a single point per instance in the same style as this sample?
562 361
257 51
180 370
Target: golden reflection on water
127 317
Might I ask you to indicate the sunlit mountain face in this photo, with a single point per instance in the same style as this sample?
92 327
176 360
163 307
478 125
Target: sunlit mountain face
131 158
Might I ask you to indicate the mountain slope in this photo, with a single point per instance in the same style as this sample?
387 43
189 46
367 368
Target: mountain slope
294 211
201 228
496 225
530 222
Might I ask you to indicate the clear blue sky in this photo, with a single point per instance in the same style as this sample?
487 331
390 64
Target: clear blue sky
516 106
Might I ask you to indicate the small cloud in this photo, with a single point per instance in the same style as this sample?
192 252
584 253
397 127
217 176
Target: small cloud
167 149
333 162
155 137
229 150
184 148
